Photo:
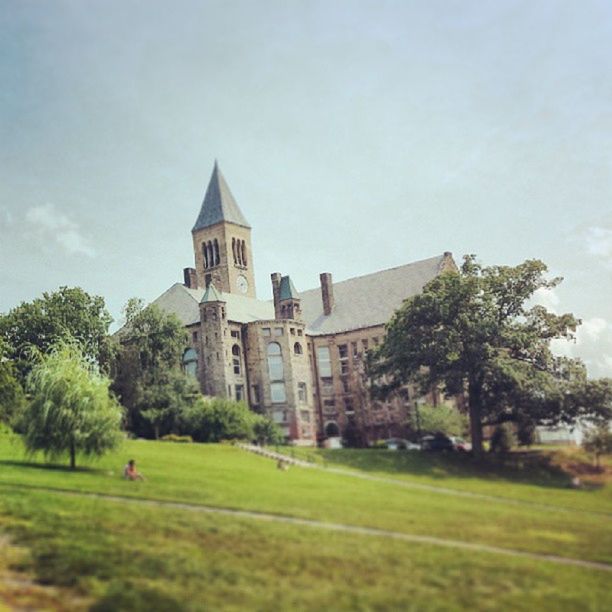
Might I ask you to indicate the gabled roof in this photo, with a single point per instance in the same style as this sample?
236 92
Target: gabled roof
368 300
287 289
211 295
219 204
185 304
364 301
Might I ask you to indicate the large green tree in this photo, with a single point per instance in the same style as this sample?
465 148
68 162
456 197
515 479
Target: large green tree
68 314
474 331
71 410
148 377
12 398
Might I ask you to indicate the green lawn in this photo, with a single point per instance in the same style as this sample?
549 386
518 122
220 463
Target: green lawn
126 556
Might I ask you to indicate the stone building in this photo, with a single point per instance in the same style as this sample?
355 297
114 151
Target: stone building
298 358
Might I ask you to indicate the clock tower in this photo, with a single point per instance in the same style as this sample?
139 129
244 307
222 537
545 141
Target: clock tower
222 241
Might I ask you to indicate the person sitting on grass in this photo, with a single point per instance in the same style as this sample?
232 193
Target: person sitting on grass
130 472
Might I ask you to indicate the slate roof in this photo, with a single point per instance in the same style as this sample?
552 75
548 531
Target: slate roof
219 204
367 300
287 289
360 302
211 295
184 303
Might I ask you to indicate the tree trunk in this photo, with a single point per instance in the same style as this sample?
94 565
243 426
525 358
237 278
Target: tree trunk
72 455
475 403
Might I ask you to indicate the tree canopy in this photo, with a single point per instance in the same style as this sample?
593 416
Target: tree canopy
12 398
68 314
474 331
148 377
71 410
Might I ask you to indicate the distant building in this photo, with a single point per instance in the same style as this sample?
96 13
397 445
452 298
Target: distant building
299 357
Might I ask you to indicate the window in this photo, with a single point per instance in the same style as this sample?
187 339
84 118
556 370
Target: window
216 252
306 431
279 416
194 336
275 362
297 348
277 392
344 367
302 397
324 361
329 403
375 340
205 255
327 386
243 253
292 331
235 334
255 394
354 350
236 359
348 406
343 351
190 362
278 331
345 384
265 331
239 393
299 331
305 416
364 344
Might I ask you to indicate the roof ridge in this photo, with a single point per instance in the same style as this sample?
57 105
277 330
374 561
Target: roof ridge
412 263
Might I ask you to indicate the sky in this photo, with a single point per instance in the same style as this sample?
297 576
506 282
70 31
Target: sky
355 136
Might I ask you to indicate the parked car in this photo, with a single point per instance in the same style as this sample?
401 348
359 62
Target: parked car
460 444
401 444
437 442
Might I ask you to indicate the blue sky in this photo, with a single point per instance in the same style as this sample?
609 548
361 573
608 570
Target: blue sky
355 136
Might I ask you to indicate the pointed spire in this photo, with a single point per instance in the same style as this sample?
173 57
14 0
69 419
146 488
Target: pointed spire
219 204
211 295
287 289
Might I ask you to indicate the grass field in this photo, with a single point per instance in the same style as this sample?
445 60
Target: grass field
125 555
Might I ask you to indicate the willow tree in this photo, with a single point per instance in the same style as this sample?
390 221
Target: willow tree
71 410
474 331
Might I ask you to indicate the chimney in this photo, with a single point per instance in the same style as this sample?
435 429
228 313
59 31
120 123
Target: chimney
327 292
276 281
191 280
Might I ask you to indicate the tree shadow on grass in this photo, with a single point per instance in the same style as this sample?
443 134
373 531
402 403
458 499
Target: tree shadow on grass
521 467
53 467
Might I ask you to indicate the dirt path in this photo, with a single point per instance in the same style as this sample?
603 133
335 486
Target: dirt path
264 452
338 527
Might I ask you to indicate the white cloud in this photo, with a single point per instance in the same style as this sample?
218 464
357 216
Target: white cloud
547 298
599 243
593 344
50 222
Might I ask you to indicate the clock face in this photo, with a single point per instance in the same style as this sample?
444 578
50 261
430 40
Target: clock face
242 284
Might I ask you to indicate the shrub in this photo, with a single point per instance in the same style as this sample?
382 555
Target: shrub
216 419
176 438
502 439
598 442
439 419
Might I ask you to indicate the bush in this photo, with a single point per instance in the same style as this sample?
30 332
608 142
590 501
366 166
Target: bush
216 419
502 439
526 433
598 441
176 438
266 431
439 419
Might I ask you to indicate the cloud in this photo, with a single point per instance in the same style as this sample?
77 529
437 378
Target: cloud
592 342
50 222
6 218
598 241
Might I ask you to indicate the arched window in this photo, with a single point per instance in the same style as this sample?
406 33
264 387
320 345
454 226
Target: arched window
297 348
234 249
205 254
190 362
275 361
238 252
332 430
243 253
217 257
236 359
